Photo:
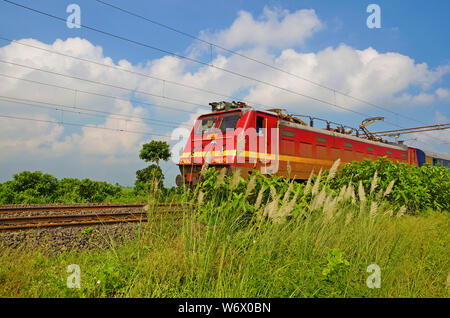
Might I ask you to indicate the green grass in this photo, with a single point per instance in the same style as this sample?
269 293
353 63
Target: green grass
184 258
263 237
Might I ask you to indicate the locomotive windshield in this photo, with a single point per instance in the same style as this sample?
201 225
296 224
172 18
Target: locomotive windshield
207 124
229 121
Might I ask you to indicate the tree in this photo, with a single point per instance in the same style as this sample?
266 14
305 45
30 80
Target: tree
42 183
147 175
155 151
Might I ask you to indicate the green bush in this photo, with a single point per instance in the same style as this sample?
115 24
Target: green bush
35 187
146 178
417 188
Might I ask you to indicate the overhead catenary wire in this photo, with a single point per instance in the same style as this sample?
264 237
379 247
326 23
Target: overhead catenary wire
133 72
411 131
189 59
98 94
87 111
412 128
115 86
103 84
112 85
83 126
211 44
200 62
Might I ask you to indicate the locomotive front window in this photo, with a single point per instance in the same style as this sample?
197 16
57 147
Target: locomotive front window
205 125
229 121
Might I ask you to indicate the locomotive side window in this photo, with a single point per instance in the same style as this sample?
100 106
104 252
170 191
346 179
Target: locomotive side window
348 144
370 149
259 124
321 139
388 152
287 133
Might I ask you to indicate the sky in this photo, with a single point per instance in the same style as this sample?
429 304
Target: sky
401 71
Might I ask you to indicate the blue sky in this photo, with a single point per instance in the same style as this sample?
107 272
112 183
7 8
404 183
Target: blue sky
416 31
415 28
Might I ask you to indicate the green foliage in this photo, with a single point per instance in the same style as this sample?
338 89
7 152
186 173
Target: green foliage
154 151
218 191
151 178
224 247
43 184
336 263
36 187
187 259
417 188
87 230
147 177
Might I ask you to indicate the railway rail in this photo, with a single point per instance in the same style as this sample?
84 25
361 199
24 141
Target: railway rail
30 217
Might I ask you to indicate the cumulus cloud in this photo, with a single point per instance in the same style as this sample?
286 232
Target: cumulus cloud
366 74
389 79
443 94
275 28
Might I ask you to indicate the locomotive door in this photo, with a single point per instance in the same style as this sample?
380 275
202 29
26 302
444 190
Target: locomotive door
412 159
267 141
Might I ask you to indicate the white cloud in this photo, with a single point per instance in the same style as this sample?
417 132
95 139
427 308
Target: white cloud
275 28
366 74
443 94
388 79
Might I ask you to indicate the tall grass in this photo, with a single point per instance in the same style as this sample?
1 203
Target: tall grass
256 238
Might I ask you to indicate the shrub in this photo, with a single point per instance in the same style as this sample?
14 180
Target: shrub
417 188
35 187
146 178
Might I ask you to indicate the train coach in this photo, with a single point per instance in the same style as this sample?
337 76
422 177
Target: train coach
235 135
433 158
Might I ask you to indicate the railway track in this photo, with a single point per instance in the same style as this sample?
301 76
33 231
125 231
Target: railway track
29 217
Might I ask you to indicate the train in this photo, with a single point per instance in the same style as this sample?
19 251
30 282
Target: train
237 136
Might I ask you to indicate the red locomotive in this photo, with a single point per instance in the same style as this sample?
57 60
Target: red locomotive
236 135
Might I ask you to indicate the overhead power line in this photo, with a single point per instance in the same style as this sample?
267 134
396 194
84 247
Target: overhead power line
162 80
109 85
81 125
103 84
98 94
203 63
412 128
253 59
123 88
88 111
191 59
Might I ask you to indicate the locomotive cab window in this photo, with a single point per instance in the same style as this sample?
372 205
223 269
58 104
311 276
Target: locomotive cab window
259 124
229 121
205 125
